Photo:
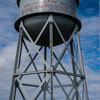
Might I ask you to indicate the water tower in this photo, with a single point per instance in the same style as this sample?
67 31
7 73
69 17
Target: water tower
52 67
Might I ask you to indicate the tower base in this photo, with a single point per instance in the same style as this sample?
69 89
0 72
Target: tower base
48 73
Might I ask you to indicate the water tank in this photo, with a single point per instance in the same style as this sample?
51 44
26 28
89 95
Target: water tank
34 14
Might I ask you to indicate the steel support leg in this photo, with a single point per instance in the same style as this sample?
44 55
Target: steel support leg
74 70
45 58
16 66
51 55
82 66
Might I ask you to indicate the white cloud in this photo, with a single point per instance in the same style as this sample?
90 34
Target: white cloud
7 58
90 26
93 83
8 13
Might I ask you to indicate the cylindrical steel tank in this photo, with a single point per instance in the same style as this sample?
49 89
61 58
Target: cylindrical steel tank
34 14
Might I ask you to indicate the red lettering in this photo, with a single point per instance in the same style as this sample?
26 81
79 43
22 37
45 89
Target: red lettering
46 6
36 7
56 7
28 10
27 5
40 6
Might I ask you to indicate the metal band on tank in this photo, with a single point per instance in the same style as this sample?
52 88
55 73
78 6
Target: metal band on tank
77 2
67 7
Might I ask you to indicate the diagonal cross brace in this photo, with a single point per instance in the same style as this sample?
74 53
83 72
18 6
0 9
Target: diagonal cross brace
32 61
76 89
26 96
34 44
66 46
39 88
62 87
65 42
62 66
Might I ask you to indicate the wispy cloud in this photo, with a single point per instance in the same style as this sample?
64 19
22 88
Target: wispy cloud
90 26
90 41
8 12
89 4
93 83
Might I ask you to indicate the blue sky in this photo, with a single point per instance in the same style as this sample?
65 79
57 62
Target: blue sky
89 8
89 14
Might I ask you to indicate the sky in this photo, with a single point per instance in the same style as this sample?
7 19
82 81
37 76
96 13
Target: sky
88 11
